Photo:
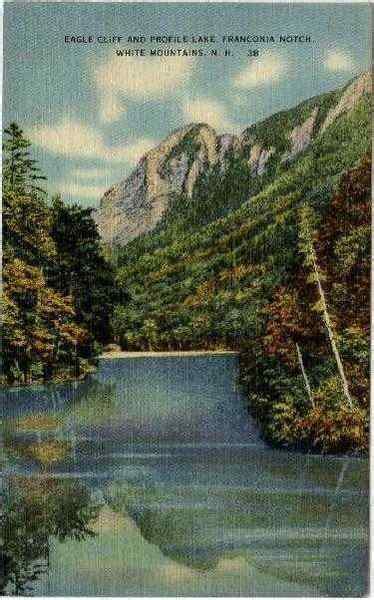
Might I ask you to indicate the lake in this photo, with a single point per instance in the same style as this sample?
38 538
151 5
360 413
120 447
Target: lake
149 478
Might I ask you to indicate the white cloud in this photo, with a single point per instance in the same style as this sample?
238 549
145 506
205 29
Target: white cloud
68 138
138 78
90 173
74 139
74 190
259 72
206 110
112 107
151 77
131 153
339 61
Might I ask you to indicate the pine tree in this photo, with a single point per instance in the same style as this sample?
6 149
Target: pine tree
80 269
20 173
40 335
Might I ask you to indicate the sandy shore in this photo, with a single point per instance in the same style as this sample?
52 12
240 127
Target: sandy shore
125 354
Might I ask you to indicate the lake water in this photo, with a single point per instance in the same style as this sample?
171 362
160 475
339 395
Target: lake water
149 479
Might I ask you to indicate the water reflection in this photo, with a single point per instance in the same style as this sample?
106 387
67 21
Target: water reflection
146 480
32 511
301 535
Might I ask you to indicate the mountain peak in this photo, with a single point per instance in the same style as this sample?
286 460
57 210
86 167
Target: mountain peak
136 204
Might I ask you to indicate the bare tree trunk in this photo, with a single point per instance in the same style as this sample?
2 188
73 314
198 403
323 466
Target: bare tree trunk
326 318
306 380
307 247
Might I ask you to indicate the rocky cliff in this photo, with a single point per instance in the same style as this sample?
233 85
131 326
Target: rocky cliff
136 204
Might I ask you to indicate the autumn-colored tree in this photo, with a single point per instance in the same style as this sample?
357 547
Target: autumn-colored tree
289 322
39 334
315 342
343 247
26 229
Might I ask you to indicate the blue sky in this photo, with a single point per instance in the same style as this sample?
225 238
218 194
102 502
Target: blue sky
91 114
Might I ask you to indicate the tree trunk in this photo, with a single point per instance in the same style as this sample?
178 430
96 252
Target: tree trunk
306 380
326 318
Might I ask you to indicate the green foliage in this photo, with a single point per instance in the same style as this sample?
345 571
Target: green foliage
20 173
34 510
80 269
330 427
189 145
58 292
215 195
26 229
228 269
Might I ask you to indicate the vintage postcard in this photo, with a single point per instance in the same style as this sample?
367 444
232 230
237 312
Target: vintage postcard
184 382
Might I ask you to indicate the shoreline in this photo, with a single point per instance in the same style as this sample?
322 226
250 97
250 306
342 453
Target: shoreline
166 353
118 354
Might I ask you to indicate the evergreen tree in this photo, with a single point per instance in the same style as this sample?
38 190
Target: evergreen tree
81 270
40 335
20 171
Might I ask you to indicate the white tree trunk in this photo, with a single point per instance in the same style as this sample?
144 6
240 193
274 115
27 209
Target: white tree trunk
326 318
306 380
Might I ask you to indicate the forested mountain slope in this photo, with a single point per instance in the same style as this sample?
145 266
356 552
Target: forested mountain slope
195 175
240 262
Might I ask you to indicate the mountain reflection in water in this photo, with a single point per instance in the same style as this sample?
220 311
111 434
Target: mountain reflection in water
148 478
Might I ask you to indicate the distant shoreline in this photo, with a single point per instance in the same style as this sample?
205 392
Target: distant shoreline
161 354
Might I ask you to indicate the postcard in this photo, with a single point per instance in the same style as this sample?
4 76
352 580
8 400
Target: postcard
185 341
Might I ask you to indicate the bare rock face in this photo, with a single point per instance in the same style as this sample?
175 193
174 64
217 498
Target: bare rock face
348 101
124 207
136 204
301 136
176 172
206 157
228 145
258 158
